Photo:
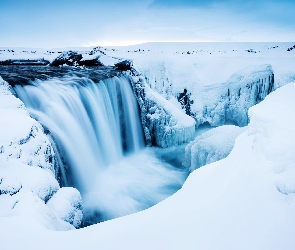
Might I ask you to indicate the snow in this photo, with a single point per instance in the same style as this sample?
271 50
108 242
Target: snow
235 203
66 204
211 146
27 166
244 201
21 136
25 191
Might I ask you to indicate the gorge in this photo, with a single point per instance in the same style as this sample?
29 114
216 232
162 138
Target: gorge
97 123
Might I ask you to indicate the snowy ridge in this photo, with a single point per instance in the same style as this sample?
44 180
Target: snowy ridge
27 167
26 143
211 146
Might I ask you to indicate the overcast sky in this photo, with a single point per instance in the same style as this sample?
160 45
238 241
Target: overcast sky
68 23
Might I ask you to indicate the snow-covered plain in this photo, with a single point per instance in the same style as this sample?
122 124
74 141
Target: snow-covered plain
245 201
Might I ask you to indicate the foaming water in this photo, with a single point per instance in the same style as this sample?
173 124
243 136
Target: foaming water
137 182
99 139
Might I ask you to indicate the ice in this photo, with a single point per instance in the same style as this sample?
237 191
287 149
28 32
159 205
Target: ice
213 103
169 126
211 146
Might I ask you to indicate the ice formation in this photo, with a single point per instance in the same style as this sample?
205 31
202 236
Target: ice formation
169 126
213 103
211 146
164 124
231 100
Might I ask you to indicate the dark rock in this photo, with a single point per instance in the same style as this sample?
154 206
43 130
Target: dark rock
124 65
70 58
92 62
36 62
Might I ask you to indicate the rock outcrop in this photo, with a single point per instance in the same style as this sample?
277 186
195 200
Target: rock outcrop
72 58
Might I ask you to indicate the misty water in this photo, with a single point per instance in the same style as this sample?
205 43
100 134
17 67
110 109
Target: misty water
95 125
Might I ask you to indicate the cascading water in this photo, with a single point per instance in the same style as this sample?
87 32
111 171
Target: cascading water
99 138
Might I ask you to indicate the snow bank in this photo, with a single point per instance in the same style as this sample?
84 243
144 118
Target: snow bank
27 168
211 146
21 137
66 204
24 191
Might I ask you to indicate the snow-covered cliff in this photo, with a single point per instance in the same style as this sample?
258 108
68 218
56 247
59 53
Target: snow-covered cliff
164 124
231 100
28 170
215 103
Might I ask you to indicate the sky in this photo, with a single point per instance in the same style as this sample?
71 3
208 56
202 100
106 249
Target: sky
76 23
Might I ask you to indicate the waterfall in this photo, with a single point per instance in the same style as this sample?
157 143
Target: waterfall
99 144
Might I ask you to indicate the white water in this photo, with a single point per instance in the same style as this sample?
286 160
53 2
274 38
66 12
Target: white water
99 137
